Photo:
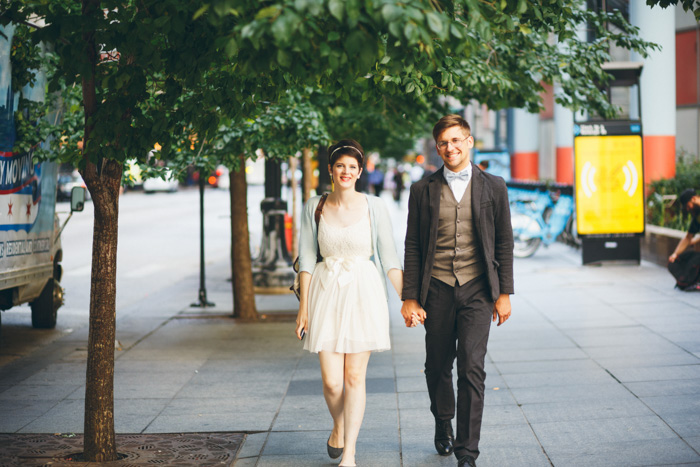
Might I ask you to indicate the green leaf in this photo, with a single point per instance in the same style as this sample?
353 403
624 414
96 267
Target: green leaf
284 58
522 7
391 12
268 12
201 11
410 31
301 5
231 48
395 29
410 87
435 23
337 9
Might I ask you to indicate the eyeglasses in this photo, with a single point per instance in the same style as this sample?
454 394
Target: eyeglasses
457 142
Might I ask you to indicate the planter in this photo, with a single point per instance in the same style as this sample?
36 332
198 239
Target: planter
659 242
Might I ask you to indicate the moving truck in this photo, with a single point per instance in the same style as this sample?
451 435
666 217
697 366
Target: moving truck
30 243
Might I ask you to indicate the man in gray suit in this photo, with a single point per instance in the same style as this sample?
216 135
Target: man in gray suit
458 275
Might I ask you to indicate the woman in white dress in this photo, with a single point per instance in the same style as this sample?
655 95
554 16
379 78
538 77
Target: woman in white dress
343 303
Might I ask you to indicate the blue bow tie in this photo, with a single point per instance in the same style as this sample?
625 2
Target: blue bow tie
451 176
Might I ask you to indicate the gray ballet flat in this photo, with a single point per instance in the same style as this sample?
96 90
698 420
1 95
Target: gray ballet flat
334 453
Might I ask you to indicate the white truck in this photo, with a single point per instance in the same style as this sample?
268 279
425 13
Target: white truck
30 236
30 243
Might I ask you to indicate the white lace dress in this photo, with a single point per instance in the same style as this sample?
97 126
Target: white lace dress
348 312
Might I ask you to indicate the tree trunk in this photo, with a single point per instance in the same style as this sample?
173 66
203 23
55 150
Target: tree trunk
241 264
99 443
307 174
103 181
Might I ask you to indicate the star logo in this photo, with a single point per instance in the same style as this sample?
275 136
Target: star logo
9 211
29 209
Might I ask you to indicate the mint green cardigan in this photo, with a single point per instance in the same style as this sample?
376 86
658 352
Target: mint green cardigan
384 257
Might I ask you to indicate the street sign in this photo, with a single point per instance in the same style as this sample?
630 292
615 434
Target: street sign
609 178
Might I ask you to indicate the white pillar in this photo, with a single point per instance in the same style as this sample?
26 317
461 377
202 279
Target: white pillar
658 88
525 158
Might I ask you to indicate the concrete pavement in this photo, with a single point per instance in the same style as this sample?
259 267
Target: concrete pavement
597 366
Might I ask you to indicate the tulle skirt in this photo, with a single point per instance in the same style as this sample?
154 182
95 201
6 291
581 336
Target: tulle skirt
348 311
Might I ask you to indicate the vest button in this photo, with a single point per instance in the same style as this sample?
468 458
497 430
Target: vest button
458 235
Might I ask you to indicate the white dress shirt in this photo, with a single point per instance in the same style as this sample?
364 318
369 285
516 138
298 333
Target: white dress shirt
458 181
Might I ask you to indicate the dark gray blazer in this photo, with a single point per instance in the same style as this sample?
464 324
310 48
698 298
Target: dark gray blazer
491 213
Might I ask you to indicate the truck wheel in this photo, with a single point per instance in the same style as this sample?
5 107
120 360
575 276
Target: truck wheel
45 307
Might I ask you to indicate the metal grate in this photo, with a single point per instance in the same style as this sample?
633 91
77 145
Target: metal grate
200 449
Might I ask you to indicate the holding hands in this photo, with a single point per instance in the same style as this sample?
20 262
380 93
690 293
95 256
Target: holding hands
413 314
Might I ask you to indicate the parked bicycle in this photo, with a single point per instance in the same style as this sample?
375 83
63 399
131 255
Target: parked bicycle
541 214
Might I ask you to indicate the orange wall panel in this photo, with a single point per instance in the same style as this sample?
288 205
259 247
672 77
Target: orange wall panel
524 166
686 68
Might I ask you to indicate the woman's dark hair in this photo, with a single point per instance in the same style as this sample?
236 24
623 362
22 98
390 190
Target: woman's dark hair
346 147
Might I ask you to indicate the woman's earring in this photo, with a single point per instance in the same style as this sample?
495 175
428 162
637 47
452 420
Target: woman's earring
332 184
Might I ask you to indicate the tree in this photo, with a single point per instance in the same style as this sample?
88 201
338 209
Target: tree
130 62
687 5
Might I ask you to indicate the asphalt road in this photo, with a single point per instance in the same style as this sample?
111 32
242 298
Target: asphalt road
158 246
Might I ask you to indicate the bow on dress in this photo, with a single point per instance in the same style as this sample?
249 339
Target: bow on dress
338 267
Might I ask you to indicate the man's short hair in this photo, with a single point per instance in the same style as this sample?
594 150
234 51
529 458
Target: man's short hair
686 196
448 121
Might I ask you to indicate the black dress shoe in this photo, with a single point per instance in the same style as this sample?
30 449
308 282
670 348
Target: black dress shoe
444 437
333 453
466 461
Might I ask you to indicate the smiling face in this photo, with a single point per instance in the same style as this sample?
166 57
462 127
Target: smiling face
345 172
453 147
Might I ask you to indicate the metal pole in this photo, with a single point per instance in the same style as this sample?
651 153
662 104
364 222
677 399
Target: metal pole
203 302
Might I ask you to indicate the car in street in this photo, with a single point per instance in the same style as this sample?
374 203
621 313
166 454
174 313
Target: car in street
168 184
65 184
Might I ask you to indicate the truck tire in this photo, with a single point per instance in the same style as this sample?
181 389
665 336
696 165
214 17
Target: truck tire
45 307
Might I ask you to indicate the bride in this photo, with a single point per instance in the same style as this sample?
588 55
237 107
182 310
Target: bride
343 303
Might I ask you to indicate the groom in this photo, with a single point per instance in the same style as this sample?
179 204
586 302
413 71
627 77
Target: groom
458 274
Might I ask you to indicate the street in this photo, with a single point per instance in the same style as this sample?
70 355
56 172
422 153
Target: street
158 246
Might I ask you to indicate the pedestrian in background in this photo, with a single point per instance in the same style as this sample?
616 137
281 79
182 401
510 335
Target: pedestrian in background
343 301
458 275
398 184
376 179
685 265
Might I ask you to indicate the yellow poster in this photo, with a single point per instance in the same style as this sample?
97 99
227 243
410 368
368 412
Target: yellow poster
609 184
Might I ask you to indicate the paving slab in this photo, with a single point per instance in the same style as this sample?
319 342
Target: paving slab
626 453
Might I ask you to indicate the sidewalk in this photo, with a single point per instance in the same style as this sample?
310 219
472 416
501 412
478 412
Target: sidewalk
597 366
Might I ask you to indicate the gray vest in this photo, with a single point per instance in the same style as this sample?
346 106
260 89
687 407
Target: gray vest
457 257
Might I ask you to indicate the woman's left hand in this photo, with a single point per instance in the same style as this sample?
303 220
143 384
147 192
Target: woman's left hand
302 323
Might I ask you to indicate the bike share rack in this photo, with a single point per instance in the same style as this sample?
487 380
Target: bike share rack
541 213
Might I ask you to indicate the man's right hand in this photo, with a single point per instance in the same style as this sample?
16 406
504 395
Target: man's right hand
672 258
411 308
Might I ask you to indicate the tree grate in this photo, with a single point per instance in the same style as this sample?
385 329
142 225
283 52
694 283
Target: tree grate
136 450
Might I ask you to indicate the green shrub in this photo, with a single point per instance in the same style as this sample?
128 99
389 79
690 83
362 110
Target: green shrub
663 208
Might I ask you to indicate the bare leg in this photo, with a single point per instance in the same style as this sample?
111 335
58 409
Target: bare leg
355 398
332 373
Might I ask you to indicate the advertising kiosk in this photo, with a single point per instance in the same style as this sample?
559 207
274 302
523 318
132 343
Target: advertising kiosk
609 181
609 177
